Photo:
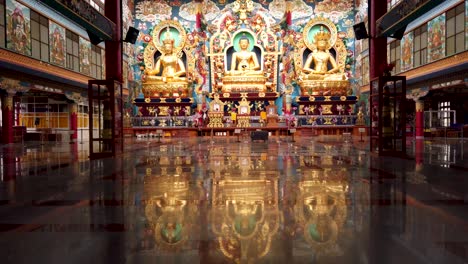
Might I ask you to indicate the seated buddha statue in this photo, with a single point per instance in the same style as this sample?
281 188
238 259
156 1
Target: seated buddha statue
245 74
321 59
173 66
244 62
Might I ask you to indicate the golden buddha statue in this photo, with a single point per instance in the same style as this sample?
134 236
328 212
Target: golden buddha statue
244 62
321 58
167 76
173 66
245 74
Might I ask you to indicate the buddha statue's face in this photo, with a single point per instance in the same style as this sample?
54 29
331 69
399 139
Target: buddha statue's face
168 47
321 44
244 44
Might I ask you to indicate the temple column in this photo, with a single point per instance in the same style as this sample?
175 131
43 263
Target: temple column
7 118
73 122
419 119
114 47
377 46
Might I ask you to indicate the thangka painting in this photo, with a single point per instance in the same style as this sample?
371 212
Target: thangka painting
85 55
18 27
436 38
57 44
407 52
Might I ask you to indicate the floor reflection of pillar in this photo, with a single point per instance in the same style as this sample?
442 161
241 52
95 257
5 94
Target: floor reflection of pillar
419 153
419 122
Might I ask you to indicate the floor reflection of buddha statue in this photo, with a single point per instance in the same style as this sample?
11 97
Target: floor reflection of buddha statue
320 59
244 62
173 67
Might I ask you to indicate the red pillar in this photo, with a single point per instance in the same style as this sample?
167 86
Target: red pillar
7 118
114 47
73 122
419 126
377 46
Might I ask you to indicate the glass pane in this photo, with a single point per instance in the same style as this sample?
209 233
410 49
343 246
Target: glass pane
459 23
460 42
450 27
398 52
423 56
2 14
44 34
45 52
2 36
424 40
417 43
69 46
417 60
34 30
76 64
75 48
450 46
35 49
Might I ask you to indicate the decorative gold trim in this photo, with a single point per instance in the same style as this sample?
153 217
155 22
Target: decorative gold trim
343 98
311 98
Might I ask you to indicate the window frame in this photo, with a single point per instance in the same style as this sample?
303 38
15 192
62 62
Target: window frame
72 51
41 50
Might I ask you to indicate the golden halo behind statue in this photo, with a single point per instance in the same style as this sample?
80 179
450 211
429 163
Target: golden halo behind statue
315 25
176 32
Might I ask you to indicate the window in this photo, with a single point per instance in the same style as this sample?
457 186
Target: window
96 63
39 37
395 55
444 113
73 61
2 23
455 30
39 111
97 4
420 46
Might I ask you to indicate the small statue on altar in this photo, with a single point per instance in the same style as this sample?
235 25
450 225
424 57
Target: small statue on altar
244 62
321 58
173 66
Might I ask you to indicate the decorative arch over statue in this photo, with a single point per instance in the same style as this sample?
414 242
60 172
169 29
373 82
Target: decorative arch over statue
319 60
247 73
168 62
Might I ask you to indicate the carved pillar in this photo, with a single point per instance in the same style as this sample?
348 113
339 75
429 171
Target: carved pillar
419 119
7 118
377 46
73 122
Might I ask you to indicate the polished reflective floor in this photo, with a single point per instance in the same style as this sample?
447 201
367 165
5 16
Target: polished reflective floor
216 200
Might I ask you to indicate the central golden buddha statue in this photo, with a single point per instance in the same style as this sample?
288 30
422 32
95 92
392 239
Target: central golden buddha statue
245 74
167 77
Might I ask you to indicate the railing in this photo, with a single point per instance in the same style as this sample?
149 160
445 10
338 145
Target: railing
302 120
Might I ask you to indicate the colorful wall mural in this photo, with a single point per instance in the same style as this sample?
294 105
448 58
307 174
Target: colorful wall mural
18 27
57 44
436 38
407 51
